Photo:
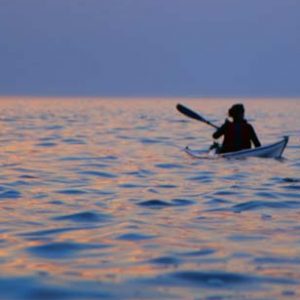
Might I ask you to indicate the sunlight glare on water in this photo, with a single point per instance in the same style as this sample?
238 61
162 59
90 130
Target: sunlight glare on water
98 201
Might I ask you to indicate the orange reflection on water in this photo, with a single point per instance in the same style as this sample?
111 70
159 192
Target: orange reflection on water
82 172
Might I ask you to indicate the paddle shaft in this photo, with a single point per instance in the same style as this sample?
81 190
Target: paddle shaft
191 114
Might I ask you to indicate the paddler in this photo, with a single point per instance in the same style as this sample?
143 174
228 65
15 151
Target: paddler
239 134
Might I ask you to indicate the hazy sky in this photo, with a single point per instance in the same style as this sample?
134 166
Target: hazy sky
150 47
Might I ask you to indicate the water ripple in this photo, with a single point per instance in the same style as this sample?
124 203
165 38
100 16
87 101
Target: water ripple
213 278
98 201
46 144
98 174
226 279
134 237
156 203
32 288
277 260
61 250
86 216
254 205
72 191
10 194
165 260
74 141
169 166
201 252
34 235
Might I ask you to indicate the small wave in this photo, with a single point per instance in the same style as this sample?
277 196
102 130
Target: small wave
289 179
134 237
75 158
19 183
140 173
253 205
182 202
289 195
54 127
30 287
268 195
213 278
227 193
98 174
217 201
27 177
86 216
35 235
201 178
10 194
292 187
74 141
148 141
226 279
156 203
164 260
46 144
49 138
277 260
130 185
250 238
201 252
61 249
169 166
286 179
72 192
166 186
108 157
94 165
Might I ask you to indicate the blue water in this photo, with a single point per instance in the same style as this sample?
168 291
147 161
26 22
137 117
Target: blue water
98 201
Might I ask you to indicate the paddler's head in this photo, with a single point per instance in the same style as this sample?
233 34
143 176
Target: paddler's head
236 112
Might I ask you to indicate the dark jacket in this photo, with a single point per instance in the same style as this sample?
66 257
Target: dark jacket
237 136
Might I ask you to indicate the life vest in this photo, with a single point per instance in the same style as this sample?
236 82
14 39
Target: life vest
237 136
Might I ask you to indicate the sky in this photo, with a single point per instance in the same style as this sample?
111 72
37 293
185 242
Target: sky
150 48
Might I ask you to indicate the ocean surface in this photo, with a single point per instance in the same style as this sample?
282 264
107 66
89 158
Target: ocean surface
98 201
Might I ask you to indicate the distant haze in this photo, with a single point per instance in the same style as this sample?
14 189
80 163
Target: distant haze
150 47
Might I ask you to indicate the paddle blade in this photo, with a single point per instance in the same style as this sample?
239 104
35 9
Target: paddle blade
191 114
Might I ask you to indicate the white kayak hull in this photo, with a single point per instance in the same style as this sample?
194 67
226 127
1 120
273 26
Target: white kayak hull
274 150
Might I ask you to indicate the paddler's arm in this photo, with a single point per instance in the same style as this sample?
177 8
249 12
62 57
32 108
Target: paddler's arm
254 138
220 131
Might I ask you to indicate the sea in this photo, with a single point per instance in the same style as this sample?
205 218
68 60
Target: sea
98 200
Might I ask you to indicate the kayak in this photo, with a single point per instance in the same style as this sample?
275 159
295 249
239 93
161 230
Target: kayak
274 150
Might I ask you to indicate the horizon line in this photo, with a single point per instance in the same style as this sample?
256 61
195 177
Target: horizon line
143 97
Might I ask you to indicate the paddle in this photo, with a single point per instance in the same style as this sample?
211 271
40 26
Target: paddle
191 114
